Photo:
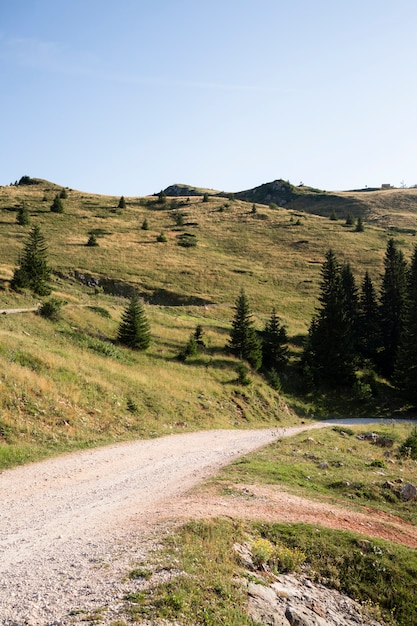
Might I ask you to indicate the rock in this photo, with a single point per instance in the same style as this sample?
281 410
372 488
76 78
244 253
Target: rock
324 465
302 616
409 492
263 608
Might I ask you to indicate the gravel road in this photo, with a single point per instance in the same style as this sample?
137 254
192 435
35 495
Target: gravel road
71 526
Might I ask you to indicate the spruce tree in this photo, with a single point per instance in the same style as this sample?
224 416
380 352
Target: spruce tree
329 355
406 364
122 203
57 205
244 342
274 348
393 291
22 216
368 320
33 272
134 329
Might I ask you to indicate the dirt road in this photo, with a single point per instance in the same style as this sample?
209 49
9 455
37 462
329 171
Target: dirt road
70 526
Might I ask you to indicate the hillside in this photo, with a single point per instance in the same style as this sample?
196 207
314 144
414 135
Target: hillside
388 208
68 383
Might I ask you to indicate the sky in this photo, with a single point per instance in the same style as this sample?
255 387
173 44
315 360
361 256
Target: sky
126 97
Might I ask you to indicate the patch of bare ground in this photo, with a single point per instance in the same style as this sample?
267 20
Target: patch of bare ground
270 503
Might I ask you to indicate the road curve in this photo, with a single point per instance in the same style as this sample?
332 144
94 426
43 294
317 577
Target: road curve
60 516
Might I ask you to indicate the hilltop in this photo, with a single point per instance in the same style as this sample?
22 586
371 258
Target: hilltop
389 208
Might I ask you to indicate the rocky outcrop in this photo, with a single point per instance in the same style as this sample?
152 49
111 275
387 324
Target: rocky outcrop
297 601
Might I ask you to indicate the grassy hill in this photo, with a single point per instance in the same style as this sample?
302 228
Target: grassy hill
68 384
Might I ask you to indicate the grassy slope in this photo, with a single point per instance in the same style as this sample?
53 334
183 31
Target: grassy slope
67 384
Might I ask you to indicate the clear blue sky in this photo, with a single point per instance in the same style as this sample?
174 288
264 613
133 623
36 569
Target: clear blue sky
126 97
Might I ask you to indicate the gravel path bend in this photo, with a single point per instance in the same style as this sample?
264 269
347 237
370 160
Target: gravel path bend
70 526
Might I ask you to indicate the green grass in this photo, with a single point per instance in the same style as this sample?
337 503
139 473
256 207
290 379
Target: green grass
205 583
356 471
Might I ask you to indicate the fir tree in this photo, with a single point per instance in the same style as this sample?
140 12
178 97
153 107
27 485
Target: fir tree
122 203
33 272
57 205
368 320
391 308
406 364
134 329
274 348
22 216
244 342
92 241
359 225
329 355
145 225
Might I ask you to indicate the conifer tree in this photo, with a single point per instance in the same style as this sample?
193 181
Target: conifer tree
274 348
359 225
134 329
391 308
122 203
244 342
57 205
22 216
368 320
406 364
329 355
33 272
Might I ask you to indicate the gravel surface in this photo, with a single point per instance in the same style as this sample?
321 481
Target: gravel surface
70 527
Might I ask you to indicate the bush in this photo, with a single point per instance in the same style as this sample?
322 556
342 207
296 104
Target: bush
57 205
242 371
51 309
409 447
92 241
161 238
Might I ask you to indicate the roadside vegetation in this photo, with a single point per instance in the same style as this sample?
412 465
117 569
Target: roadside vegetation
206 582
357 467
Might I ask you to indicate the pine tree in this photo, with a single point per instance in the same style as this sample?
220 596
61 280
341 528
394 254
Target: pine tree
122 203
406 364
329 355
391 308
145 225
244 342
274 348
33 272
359 225
22 216
134 329
368 320
57 205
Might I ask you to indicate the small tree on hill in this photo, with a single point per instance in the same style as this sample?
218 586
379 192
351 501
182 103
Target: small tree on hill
244 342
145 225
92 241
33 272
134 329
63 194
122 203
57 205
359 225
22 216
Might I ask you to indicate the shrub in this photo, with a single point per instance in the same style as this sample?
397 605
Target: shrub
242 372
161 238
92 241
63 194
145 225
57 205
187 240
22 216
409 447
51 309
